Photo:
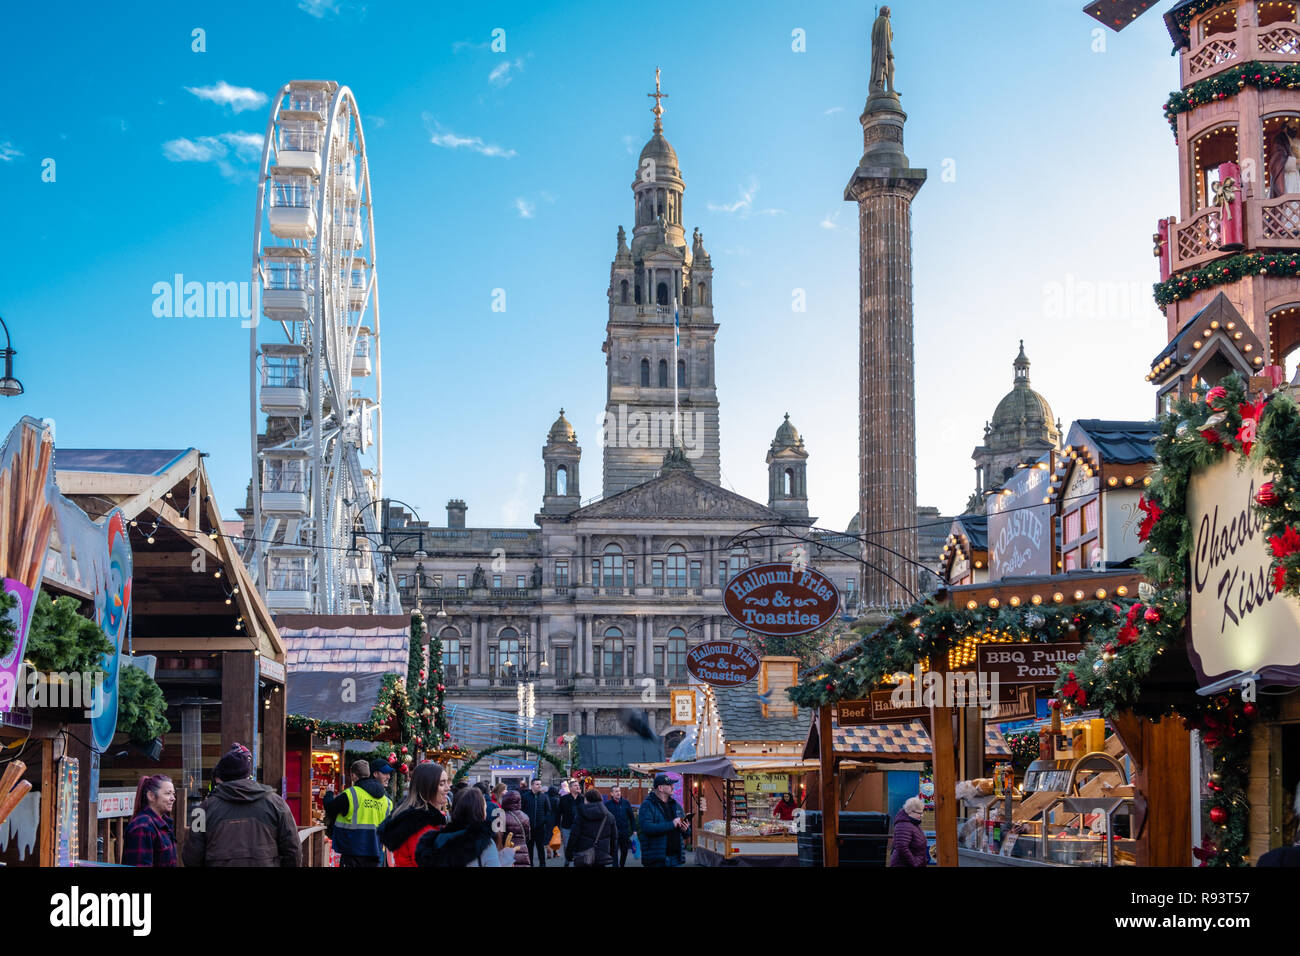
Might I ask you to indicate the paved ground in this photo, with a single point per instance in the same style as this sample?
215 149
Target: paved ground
632 861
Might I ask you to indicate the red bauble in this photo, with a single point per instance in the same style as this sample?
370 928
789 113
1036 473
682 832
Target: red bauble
404 750
1152 615
1213 786
421 675
419 741
1250 710
392 755
441 688
1218 816
404 768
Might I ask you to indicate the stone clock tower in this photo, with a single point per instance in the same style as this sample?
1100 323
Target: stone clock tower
645 279
883 185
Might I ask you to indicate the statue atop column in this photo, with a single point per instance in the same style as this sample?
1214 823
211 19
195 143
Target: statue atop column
882 54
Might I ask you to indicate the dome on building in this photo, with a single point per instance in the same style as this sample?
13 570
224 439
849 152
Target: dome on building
1023 415
787 436
561 431
854 526
660 150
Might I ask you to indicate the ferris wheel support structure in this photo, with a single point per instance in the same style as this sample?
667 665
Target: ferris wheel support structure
311 489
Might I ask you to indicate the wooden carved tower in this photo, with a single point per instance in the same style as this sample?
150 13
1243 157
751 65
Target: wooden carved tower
1230 260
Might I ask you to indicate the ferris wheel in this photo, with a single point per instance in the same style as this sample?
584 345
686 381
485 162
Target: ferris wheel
314 362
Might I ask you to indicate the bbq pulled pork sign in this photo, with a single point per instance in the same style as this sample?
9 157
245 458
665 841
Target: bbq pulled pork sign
722 663
781 601
1238 623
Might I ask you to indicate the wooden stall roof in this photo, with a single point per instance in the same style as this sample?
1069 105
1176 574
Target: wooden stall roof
168 495
357 643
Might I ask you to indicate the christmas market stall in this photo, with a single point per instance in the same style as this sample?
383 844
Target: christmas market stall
67 689
607 760
198 625
748 740
965 555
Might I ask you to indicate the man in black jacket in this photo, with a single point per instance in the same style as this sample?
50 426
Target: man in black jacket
567 811
541 820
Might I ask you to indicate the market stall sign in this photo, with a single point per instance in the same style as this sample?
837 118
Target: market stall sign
1239 624
1015 702
1020 526
1025 663
722 663
780 600
115 802
683 707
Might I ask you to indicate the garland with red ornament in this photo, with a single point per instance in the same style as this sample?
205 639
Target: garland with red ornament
1195 435
1223 271
1261 76
426 721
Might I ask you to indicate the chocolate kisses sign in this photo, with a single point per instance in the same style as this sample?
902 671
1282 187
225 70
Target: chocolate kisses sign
1238 623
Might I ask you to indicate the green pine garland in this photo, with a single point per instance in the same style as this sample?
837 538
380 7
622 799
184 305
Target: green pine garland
1224 271
1262 76
140 706
62 640
526 748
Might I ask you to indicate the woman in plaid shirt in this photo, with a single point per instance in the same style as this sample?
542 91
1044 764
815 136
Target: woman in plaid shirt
149 840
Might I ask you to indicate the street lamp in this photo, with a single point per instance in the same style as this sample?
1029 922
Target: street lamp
9 386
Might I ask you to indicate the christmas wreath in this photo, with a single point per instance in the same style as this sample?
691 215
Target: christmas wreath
1223 271
1264 76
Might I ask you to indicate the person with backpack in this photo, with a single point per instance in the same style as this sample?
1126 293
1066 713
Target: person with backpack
594 839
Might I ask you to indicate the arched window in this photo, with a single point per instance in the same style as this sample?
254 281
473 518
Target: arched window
622 292
508 657
787 482
661 294
612 652
612 566
663 373
676 567
699 294
676 654
561 480
681 373
451 659
637 295
645 373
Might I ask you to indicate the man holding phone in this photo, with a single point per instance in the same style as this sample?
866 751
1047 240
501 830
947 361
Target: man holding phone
663 826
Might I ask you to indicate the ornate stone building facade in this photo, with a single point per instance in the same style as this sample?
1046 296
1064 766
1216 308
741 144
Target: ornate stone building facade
598 604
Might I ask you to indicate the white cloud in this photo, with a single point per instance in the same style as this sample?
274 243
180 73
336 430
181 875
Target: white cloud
833 109
516 507
629 143
8 152
238 98
831 221
318 8
744 206
231 152
525 208
501 75
449 140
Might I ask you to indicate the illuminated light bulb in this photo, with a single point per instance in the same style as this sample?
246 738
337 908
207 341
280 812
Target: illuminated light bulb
972 605
1101 594
1078 595
1015 601
1128 479
994 603
1036 599
1112 481
150 539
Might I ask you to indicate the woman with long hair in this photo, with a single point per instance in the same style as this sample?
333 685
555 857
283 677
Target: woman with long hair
465 841
420 813
149 839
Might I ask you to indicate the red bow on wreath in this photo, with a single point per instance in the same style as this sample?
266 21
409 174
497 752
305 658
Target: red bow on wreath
1153 512
1249 424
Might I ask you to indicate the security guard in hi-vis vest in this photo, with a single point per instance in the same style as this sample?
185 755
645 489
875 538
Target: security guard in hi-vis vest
357 813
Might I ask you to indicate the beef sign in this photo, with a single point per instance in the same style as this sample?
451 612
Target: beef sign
722 663
779 600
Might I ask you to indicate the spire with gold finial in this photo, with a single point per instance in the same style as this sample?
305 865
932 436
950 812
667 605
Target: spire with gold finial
658 108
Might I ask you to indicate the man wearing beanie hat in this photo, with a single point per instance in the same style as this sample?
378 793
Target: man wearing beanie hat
663 826
242 822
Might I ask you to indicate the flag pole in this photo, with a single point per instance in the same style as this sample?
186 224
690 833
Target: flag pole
677 341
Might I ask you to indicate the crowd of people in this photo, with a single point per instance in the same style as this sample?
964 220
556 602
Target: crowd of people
438 823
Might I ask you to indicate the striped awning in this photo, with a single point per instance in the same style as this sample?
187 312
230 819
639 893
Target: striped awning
901 740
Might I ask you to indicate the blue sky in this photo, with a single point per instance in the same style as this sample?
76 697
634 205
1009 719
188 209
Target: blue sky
512 170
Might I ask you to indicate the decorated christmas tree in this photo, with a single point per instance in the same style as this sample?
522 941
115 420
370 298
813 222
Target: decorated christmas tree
426 723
